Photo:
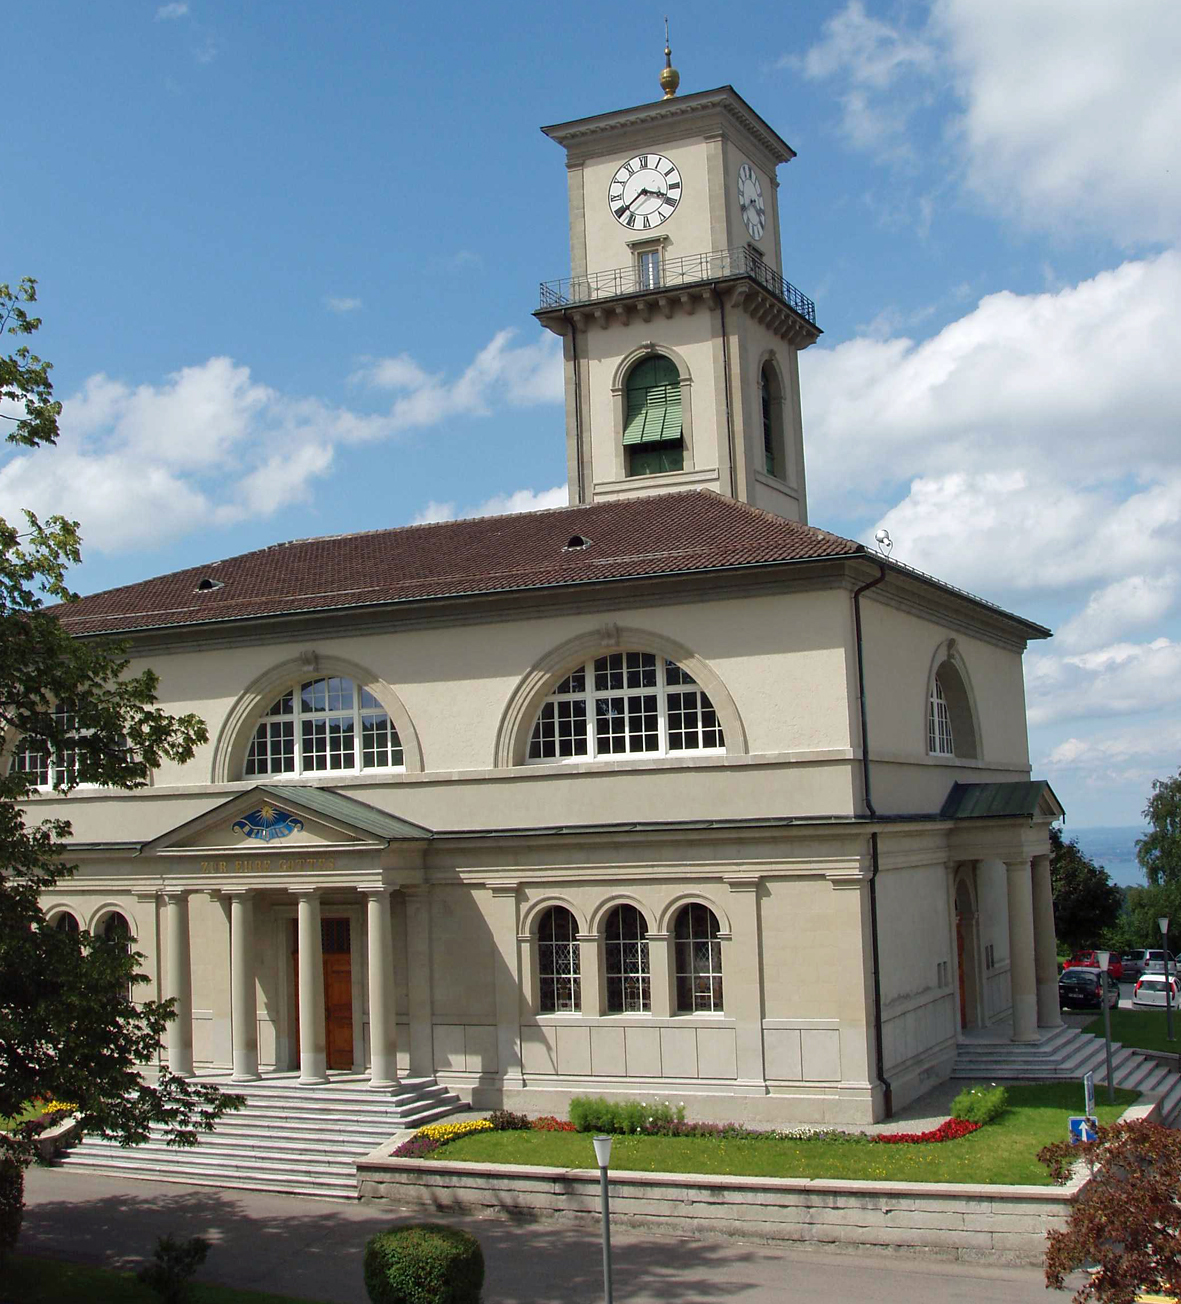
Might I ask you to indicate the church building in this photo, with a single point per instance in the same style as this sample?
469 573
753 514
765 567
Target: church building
665 793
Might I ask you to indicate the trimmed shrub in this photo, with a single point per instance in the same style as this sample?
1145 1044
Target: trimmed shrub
424 1263
980 1104
171 1267
652 1118
504 1120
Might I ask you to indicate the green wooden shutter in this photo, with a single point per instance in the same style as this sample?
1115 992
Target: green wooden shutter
653 403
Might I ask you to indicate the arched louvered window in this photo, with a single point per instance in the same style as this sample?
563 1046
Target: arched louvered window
699 960
652 430
323 725
625 962
558 962
625 702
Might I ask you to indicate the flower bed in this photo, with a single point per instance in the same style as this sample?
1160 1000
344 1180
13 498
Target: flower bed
661 1119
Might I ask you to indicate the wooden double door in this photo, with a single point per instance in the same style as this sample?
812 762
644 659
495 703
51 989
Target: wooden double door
336 943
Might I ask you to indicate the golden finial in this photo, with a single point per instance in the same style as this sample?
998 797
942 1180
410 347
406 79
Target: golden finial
670 79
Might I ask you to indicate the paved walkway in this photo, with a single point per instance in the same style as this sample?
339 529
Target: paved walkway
313 1249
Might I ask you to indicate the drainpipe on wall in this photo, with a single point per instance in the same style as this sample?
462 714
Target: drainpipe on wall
880 1066
726 392
577 408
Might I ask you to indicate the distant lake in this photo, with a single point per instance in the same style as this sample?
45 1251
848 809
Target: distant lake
1113 847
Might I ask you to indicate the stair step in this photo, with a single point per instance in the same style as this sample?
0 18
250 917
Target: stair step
300 1140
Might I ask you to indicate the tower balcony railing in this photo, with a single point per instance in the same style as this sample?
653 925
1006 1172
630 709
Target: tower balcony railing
674 273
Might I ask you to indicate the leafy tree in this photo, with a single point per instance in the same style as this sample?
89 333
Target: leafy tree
1086 901
1159 851
1127 1218
69 1029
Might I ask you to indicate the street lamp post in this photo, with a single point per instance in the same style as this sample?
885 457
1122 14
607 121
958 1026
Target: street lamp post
1104 961
603 1155
1163 924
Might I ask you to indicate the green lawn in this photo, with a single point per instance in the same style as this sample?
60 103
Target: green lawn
47 1281
29 1111
1002 1152
1141 1029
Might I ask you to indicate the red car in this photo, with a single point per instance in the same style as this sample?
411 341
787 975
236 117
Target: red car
1090 960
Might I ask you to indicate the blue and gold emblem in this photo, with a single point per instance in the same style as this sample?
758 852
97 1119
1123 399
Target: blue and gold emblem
268 823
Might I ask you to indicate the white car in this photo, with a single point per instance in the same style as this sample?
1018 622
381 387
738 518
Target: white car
1150 990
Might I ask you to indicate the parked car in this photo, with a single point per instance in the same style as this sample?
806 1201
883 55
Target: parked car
1082 989
1090 960
1150 990
1133 962
1154 962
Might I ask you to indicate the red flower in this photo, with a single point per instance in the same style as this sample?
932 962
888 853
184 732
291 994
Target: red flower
950 1130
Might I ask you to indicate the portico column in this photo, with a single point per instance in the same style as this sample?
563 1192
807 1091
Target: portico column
313 1057
418 978
178 983
1022 975
383 1003
243 1005
1045 946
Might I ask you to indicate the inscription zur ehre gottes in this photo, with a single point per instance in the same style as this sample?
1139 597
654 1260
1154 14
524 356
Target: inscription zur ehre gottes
269 865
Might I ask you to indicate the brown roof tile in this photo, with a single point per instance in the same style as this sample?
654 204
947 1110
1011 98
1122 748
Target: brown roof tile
651 535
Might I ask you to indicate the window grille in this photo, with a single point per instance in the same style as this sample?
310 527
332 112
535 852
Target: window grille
625 955
640 703
939 737
558 962
327 724
699 960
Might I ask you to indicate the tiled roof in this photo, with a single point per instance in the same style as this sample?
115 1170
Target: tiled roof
655 534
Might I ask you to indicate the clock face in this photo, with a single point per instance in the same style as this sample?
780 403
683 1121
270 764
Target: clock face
644 192
750 201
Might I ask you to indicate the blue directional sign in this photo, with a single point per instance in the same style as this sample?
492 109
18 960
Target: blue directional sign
1084 1128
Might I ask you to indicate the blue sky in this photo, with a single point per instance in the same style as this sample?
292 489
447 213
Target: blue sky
288 253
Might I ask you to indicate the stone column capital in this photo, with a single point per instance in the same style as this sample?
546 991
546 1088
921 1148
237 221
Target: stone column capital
305 891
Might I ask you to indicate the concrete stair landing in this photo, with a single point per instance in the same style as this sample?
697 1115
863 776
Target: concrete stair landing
1067 1053
298 1140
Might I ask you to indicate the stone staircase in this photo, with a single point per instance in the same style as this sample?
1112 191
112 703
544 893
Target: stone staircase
1068 1053
288 1138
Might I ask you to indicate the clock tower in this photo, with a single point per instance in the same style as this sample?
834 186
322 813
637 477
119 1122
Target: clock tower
681 335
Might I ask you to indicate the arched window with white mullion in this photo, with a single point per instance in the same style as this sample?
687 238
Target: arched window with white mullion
558 966
328 724
623 703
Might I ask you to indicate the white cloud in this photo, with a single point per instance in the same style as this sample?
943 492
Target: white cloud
519 375
1122 679
1122 605
1070 110
341 303
869 58
169 11
210 446
521 500
1106 761
1005 441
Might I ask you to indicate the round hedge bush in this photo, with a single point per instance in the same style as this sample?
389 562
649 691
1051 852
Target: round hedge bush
424 1263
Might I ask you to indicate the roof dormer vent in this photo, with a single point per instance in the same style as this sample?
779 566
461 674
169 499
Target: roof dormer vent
206 584
576 543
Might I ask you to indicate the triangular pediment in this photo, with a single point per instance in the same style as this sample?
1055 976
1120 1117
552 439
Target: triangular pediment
271 818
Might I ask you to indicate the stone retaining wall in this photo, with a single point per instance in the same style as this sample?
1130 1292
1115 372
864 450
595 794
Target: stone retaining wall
999 1224
995 1224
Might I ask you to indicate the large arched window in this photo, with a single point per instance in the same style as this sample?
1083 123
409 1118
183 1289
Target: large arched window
652 430
557 962
44 765
67 922
951 729
325 724
625 702
625 962
699 960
